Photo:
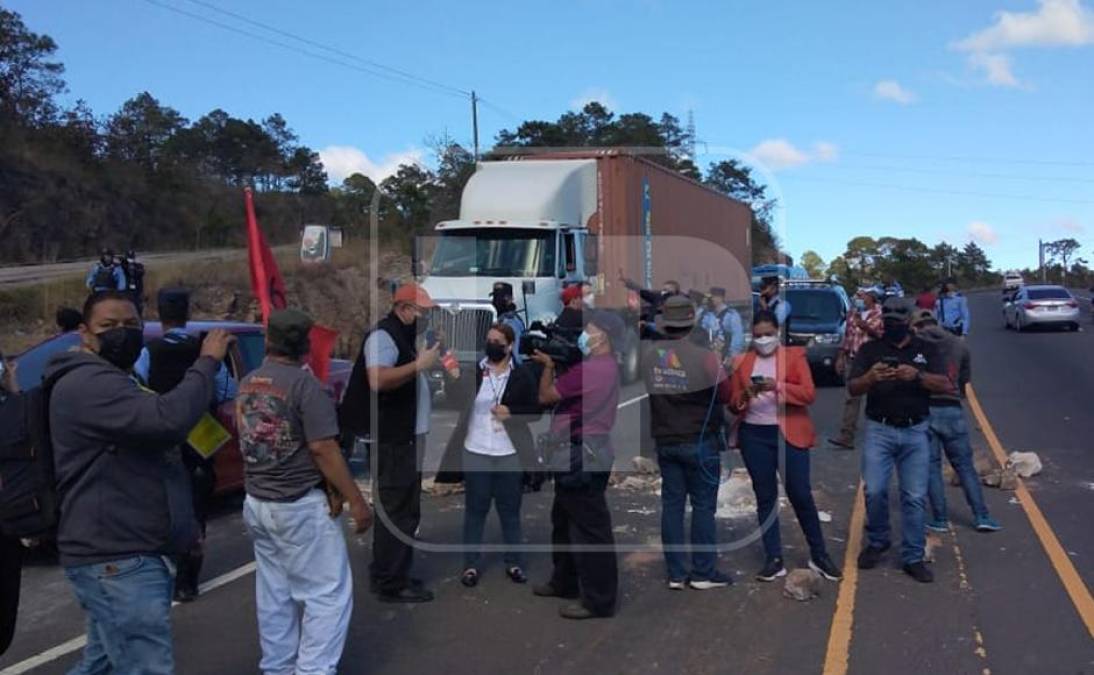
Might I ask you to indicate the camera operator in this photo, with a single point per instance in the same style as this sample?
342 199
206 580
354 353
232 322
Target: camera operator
585 399
572 316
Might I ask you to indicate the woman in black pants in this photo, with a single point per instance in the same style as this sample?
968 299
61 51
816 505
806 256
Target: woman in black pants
490 451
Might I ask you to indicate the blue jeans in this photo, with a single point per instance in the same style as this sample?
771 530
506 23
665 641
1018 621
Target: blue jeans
497 480
128 606
949 431
689 471
303 584
907 449
760 451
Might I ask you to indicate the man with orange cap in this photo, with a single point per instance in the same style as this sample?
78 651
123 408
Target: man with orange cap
390 373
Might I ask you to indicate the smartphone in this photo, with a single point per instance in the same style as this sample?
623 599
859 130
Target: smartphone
891 361
430 338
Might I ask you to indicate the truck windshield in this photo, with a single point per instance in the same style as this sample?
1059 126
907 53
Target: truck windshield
495 252
814 305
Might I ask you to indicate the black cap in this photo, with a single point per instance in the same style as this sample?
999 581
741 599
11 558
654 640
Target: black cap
502 289
173 304
677 312
610 323
718 290
897 309
288 330
767 281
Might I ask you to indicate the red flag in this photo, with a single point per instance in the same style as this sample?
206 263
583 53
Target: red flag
269 288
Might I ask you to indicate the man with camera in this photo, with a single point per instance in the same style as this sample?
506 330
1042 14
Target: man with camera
390 371
898 374
579 455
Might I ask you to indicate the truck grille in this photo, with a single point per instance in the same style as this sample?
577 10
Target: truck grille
464 330
799 339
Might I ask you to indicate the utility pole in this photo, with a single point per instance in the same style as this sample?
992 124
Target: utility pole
690 147
1041 258
475 122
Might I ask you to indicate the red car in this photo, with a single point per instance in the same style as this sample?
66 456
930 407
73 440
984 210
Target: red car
245 355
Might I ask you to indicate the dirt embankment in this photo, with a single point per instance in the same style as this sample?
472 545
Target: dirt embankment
345 295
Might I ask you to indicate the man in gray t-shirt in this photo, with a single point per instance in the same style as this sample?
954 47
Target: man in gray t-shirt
288 431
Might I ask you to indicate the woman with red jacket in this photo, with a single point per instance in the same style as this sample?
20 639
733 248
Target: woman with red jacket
772 389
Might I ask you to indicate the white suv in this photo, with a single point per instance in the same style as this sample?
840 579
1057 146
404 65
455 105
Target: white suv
1011 281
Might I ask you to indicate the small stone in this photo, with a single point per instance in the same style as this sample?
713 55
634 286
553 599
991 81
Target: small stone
645 466
1008 479
824 516
992 478
802 585
1025 464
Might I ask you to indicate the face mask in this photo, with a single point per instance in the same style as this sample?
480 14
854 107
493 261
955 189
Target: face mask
583 344
589 299
121 346
896 331
495 352
766 345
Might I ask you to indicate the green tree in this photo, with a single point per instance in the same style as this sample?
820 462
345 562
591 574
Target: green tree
973 265
814 265
141 129
1061 251
410 190
29 79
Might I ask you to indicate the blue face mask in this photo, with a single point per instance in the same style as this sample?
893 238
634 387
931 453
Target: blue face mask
583 343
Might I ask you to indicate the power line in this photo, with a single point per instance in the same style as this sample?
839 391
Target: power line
333 50
965 174
450 91
966 193
960 158
498 109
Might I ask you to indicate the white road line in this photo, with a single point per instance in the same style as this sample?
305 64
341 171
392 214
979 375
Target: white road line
77 643
74 644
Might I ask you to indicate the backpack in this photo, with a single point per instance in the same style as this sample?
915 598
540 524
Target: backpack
29 502
103 278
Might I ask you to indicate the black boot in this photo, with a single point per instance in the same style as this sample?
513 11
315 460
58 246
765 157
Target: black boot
186 581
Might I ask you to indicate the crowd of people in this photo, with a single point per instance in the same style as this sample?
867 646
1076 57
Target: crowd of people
135 488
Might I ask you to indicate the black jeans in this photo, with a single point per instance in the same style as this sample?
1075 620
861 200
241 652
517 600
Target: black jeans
202 484
579 518
11 572
760 450
398 496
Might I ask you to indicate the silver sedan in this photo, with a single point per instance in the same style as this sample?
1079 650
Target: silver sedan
1041 305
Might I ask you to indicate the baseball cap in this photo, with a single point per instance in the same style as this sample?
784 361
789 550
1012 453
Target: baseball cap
899 309
677 312
414 294
288 330
921 315
571 293
502 289
611 324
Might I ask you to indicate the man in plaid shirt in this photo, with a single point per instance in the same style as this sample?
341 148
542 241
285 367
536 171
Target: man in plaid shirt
863 324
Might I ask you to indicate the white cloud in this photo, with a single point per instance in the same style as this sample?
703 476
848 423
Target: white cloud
598 94
1056 23
891 90
1071 226
342 161
779 153
982 233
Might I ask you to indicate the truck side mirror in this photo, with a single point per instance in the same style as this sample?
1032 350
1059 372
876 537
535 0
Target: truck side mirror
528 287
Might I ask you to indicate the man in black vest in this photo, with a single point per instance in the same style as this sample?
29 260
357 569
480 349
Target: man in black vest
389 373
162 365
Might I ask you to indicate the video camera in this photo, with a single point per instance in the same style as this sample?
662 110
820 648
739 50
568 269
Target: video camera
558 343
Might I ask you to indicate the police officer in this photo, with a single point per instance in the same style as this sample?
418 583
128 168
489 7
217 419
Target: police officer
161 365
502 299
106 275
134 279
723 323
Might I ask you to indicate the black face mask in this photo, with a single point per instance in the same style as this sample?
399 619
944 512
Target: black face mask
121 346
495 352
895 331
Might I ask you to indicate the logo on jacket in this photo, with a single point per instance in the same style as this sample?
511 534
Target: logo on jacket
920 359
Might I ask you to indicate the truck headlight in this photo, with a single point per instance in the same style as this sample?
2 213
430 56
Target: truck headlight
827 338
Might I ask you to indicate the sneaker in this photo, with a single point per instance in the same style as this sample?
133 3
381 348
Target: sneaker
470 577
938 525
716 580
677 584
868 559
841 443
987 524
919 572
824 566
548 591
773 569
576 612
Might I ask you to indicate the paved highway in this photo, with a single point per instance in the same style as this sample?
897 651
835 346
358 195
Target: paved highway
1016 601
29 275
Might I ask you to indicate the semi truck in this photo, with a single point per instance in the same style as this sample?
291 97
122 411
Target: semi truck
542 222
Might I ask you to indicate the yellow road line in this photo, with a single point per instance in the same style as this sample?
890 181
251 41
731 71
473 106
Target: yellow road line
838 656
1065 569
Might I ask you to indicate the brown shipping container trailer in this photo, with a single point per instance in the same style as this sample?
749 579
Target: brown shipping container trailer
656 224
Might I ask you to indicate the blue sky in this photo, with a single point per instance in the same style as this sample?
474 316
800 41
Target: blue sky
939 120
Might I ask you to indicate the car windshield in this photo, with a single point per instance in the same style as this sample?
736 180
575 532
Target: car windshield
814 305
1049 294
495 252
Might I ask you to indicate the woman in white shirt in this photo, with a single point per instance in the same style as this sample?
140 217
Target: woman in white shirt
491 449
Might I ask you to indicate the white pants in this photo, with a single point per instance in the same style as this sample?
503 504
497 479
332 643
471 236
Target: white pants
303 585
